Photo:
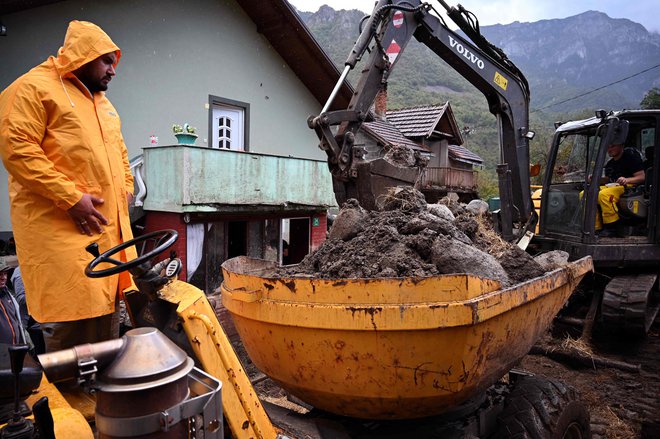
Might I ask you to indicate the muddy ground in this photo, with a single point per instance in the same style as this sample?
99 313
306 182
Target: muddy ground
623 404
409 238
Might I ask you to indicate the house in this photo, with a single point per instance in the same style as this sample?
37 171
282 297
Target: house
431 131
452 168
247 74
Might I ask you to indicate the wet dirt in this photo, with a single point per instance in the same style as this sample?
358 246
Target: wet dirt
408 238
405 157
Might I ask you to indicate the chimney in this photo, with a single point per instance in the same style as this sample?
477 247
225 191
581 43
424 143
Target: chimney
380 106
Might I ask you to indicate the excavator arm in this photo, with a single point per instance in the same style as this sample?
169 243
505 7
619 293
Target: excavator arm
389 29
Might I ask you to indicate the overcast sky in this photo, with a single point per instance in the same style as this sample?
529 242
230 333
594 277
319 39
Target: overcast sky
645 12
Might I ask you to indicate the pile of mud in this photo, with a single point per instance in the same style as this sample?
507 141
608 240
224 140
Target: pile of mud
409 238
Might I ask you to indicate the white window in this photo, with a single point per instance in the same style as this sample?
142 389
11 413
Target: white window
228 128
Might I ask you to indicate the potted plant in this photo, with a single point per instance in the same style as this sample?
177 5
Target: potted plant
185 135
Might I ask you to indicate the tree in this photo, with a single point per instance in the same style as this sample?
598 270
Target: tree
488 184
651 99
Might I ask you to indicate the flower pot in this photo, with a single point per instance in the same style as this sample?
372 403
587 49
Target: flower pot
186 138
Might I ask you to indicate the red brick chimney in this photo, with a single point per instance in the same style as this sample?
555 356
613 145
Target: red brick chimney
380 105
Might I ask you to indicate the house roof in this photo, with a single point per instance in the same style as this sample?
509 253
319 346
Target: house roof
280 24
10 6
461 154
427 121
278 21
388 134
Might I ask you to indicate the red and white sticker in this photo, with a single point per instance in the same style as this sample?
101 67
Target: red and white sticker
397 19
393 51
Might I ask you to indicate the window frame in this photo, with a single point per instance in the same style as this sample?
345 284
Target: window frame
217 101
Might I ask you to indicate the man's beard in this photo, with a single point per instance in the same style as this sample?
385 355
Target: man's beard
97 86
92 84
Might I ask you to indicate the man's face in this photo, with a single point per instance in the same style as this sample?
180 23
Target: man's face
3 278
98 73
615 151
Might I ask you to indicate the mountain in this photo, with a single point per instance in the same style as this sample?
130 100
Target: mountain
561 59
566 57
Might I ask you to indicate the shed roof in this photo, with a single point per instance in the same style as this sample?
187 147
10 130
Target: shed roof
462 154
427 121
388 134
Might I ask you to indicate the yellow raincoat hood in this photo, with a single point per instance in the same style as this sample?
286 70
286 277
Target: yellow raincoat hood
84 42
58 141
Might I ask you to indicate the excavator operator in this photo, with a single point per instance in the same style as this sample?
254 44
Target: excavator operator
625 167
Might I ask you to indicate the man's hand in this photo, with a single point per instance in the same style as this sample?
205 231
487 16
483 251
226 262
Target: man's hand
637 178
85 215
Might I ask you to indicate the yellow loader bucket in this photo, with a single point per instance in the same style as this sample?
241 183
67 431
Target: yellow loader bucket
389 348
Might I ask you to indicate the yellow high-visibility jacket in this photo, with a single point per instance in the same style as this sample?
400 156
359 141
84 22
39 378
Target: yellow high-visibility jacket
57 142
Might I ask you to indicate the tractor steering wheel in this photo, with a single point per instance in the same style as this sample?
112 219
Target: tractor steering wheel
165 238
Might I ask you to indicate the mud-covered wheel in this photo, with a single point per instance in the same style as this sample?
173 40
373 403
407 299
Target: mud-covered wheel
628 304
540 408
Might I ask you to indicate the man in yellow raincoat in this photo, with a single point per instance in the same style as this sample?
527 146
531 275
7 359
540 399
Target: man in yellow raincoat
69 185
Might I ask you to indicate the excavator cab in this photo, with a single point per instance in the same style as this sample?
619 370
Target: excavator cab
570 207
571 219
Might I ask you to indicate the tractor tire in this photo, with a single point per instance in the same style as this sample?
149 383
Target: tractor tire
628 306
540 408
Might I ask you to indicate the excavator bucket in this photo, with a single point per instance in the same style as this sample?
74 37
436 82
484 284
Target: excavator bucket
373 180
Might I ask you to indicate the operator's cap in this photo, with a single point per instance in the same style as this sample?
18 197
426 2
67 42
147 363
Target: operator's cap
8 262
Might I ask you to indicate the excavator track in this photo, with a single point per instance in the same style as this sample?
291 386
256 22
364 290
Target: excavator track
629 304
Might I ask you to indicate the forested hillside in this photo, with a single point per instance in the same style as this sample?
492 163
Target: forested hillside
561 59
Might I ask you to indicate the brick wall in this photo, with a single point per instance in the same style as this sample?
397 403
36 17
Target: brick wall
319 232
380 104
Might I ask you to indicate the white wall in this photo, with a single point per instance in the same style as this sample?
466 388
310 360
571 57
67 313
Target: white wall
175 53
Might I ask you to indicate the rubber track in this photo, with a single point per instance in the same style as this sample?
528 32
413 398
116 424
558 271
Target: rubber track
625 304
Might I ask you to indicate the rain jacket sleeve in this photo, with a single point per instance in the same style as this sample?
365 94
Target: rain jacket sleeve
127 168
24 122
